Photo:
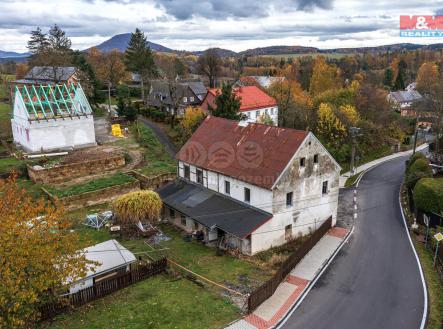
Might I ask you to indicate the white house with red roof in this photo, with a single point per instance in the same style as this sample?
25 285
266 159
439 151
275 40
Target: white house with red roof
251 187
254 102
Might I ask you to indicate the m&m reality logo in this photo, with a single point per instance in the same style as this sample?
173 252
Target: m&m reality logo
421 26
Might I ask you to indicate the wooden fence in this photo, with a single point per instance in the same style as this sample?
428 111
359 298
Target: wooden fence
268 288
103 288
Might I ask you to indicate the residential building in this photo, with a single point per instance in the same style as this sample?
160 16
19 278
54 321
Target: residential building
43 75
112 259
175 96
251 186
254 103
403 100
51 117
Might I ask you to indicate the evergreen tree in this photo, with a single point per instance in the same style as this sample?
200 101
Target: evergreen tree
389 76
139 59
38 42
228 104
399 81
58 40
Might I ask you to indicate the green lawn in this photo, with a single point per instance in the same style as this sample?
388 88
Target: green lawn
8 164
158 161
161 302
435 287
93 185
5 111
370 155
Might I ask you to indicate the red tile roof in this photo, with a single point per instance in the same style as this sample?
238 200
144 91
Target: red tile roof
251 97
254 153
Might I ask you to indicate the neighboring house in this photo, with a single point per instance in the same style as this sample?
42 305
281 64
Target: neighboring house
403 99
112 258
263 81
165 95
51 117
254 103
251 186
44 75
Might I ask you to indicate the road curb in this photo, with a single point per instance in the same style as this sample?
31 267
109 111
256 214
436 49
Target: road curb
425 288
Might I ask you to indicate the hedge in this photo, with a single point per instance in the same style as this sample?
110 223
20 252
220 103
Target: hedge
419 169
428 195
415 157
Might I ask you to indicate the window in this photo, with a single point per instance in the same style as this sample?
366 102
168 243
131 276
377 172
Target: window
266 111
315 158
185 99
187 172
288 232
183 220
324 189
195 226
191 99
248 114
272 111
200 176
289 199
227 187
257 114
302 162
247 195
171 213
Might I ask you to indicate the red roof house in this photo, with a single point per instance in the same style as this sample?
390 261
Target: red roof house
252 98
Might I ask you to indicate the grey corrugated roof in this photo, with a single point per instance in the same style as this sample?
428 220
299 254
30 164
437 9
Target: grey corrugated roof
210 208
403 96
50 73
198 88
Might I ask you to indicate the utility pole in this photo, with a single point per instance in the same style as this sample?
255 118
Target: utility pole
354 132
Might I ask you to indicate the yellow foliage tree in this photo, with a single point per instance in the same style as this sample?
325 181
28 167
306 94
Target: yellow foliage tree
329 126
191 120
38 253
324 77
350 114
428 77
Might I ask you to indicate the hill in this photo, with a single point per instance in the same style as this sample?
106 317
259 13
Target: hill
120 42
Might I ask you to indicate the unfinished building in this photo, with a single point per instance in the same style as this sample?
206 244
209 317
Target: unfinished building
52 117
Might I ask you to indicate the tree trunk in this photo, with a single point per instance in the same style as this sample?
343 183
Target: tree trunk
142 86
109 97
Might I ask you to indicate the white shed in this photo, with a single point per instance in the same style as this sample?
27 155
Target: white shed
113 259
52 117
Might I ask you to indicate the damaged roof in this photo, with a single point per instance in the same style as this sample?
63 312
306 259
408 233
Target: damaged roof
254 152
212 209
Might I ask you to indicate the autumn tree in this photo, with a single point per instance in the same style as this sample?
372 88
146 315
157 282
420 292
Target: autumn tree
209 64
50 49
227 104
38 254
295 104
324 77
329 127
265 119
192 118
139 58
428 77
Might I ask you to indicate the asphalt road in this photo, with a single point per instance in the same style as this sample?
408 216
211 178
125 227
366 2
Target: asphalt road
374 282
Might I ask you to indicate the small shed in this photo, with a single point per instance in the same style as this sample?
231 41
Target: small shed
113 259
52 117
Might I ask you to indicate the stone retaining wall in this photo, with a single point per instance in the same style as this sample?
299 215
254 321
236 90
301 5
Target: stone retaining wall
153 183
96 197
63 173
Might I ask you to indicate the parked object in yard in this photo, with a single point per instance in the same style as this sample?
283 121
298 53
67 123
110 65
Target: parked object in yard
113 259
99 220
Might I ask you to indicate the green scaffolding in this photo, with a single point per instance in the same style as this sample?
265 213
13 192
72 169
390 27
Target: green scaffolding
44 102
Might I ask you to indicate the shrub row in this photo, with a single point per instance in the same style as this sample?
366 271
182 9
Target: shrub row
428 195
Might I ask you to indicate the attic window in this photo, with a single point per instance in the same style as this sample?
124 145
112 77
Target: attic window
315 158
185 99
302 162
191 99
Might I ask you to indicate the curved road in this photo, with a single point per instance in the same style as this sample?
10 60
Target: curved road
374 282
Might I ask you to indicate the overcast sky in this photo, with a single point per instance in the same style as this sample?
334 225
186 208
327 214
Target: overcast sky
231 24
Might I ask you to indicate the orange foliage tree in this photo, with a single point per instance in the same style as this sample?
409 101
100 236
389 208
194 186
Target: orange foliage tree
38 253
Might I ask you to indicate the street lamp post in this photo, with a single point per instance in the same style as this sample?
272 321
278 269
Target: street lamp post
354 132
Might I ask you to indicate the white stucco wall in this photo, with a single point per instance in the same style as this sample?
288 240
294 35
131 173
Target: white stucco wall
253 115
310 207
67 133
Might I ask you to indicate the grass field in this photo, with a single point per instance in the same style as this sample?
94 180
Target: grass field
158 161
327 55
93 185
161 302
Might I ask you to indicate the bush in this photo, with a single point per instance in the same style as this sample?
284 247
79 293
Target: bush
416 171
428 195
413 158
137 206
